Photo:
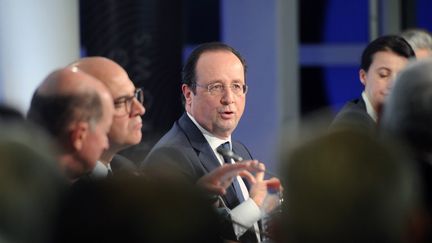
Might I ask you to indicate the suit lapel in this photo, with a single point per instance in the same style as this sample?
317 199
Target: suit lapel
205 154
199 143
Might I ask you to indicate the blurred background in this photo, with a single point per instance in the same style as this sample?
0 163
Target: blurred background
303 55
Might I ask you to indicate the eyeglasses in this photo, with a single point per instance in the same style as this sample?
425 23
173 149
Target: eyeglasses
219 89
123 105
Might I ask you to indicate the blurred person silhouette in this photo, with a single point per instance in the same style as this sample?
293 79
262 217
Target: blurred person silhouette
76 110
128 108
347 186
420 41
8 113
30 184
214 94
381 61
408 117
135 209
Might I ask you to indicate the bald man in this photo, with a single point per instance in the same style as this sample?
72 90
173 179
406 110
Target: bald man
128 109
76 110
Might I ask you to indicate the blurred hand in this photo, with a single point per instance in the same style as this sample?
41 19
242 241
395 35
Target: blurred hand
217 181
259 188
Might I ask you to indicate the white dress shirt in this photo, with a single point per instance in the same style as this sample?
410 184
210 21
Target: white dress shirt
100 170
246 214
369 108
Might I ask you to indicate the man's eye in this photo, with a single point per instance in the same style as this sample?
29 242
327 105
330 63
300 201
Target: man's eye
118 105
217 87
237 86
119 102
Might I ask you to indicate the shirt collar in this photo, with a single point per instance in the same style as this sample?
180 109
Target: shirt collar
369 108
211 139
100 170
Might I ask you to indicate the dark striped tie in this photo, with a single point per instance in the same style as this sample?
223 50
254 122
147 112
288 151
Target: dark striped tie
235 182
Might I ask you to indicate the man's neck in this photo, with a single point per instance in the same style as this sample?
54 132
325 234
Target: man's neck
107 156
67 163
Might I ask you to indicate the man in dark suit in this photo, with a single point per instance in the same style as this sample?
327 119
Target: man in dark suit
381 61
214 90
128 103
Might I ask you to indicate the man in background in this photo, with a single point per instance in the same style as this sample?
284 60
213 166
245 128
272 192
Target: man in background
420 41
76 110
128 108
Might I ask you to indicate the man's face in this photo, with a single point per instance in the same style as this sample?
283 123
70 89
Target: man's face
217 113
126 128
96 140
423 53
379 79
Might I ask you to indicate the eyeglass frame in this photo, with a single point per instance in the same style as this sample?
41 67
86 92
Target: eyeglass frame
212 85
138 95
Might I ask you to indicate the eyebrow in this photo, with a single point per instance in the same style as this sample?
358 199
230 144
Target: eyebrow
123 97
384 68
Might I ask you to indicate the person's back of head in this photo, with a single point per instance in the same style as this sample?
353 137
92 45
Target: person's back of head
30 184
345 186
408 110
420 40
408 117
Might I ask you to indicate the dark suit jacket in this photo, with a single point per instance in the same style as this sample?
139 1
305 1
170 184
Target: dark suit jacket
120 164
185 149
354 114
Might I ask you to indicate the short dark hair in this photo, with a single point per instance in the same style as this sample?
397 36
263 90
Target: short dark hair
189 69
55 113
392 43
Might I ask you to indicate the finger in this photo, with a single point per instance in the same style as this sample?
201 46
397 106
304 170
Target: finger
226 183
248 176
218 190
274 183
254 166
260 175
230 169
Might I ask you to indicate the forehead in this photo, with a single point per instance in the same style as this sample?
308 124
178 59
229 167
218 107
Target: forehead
219 64
388 59
120 85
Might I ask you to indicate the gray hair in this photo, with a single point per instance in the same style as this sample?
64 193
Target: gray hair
418 38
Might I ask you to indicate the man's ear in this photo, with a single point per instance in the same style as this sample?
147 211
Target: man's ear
362 76
187 93
78 134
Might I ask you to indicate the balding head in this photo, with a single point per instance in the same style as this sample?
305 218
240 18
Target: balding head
107 71
127 123
76 109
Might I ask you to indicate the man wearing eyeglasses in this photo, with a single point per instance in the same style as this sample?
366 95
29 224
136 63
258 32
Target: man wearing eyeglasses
214 92
128 103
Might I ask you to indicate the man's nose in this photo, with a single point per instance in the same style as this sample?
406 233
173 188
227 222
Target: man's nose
228 95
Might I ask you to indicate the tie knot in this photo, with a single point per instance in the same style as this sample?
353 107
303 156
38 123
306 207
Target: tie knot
226 146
